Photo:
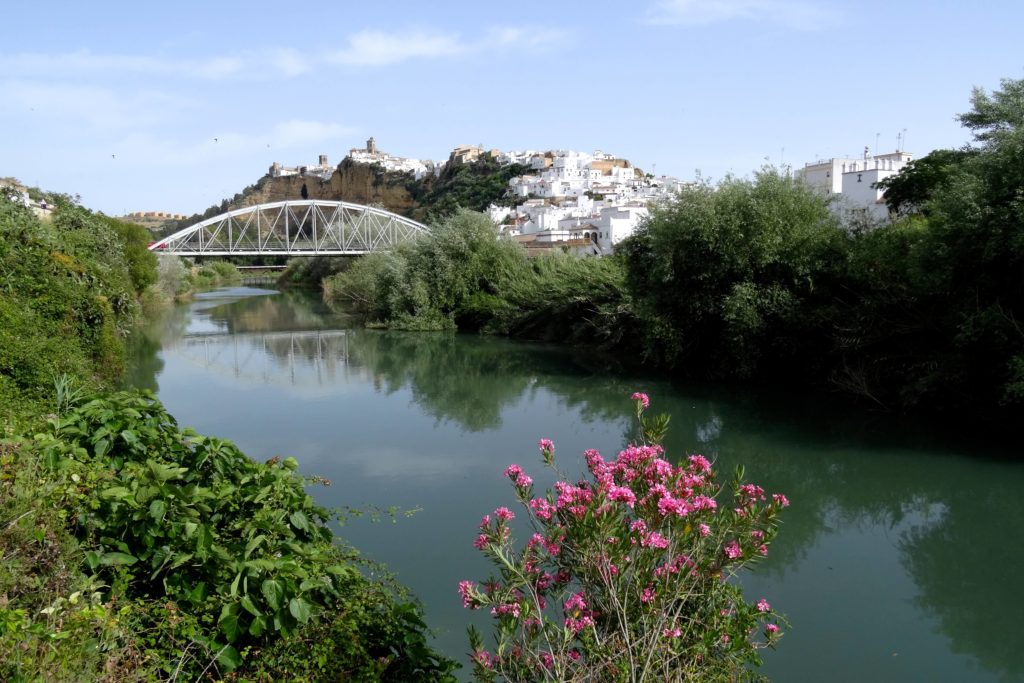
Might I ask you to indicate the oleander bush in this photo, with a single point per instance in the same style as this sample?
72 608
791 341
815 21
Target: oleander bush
628 574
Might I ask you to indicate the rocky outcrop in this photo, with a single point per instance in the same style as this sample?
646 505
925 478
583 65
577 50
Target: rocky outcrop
350 182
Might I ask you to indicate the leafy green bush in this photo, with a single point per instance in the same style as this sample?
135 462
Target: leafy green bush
229 541
721 276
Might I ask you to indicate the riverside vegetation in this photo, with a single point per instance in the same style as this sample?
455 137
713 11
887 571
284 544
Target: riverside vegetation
134 549
755 280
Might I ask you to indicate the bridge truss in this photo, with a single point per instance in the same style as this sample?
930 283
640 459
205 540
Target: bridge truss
293 228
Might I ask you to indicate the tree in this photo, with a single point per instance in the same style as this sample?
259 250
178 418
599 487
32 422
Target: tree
995 116
721 275
908 191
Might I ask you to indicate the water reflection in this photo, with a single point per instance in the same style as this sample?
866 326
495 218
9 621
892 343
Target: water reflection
891 540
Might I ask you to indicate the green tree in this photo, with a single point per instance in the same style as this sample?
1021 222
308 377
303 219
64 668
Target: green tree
908 191
721 276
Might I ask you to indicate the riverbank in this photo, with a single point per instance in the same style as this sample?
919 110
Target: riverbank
133 549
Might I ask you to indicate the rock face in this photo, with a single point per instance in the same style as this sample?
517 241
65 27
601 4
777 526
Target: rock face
350 182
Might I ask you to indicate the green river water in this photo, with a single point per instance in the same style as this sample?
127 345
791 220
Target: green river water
899 560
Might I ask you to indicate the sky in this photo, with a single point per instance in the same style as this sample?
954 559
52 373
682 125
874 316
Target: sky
173 106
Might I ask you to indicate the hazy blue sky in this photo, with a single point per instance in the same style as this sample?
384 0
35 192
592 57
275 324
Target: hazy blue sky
173 106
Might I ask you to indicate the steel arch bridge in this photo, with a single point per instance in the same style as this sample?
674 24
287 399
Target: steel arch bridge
293 228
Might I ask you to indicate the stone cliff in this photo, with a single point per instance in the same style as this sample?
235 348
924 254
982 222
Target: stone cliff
350 182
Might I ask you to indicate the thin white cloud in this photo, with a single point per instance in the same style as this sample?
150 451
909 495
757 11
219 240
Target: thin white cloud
380 48
523 37
363 49
797 14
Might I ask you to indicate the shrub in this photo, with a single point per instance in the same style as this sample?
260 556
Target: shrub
627 575
232 543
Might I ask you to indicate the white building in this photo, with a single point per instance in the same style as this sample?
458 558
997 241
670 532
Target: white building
852 182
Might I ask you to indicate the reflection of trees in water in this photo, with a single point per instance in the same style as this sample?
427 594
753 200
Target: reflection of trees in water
967 568
288 310
838 470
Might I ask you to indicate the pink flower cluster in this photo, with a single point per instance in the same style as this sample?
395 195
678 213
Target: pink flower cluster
518 477
625 529
645 401
466 589
577 616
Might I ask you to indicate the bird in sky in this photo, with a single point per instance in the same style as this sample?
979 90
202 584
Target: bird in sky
215 139
113 156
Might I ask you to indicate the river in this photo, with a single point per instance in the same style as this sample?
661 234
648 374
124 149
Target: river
899 560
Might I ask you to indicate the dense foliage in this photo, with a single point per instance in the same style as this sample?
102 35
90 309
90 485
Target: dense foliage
626 575
463 274
723 276
753 280
68 291
474 186
134 550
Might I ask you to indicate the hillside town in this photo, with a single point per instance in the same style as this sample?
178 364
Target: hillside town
587 203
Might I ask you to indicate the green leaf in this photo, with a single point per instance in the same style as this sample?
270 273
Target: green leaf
229 659
273 591
258 626
249 607
234 584
157 509
253 544
299 520
300 609
116 559
92 558
116 492
228 622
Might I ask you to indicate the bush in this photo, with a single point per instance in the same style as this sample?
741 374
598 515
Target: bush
168 514
626 577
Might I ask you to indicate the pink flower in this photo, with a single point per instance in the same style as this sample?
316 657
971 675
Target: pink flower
622 494
546 445
763 606
699 463
484 659
481 542
465 590
704 529
725 638
654 540
763 550
518 477
648 595
577 625
542 508
732 550
672 632
574 655
547 660
504 513
575 601
506 608
645 401
771 629
781 499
